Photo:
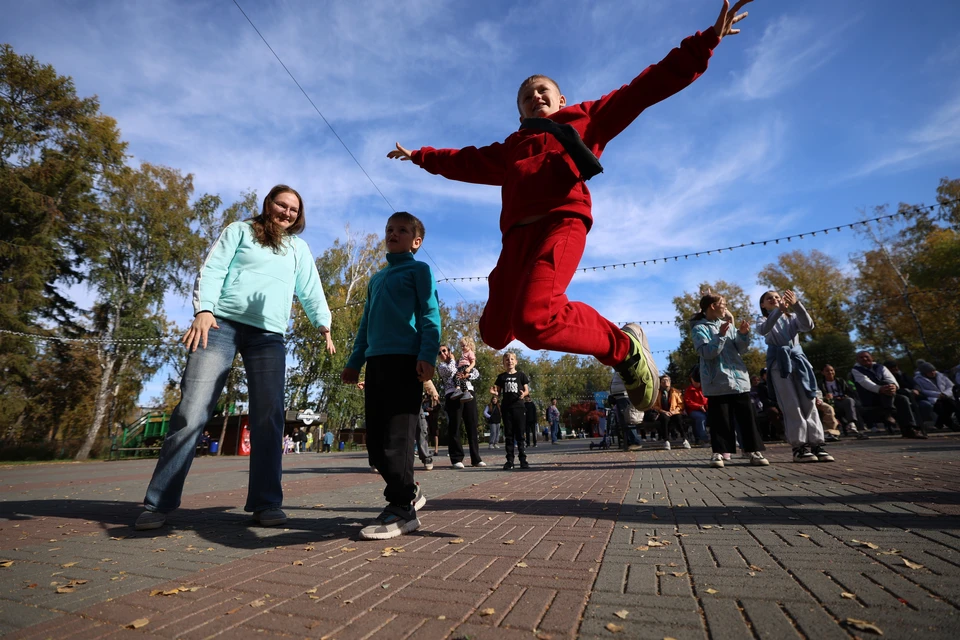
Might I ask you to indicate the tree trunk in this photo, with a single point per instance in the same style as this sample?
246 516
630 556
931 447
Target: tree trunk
100 410
223 429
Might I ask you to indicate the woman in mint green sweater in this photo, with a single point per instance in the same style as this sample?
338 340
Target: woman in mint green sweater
241 302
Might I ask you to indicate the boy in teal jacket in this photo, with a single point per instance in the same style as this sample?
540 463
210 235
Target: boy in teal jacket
398 339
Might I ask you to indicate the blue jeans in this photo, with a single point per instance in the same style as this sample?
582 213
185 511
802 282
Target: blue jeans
699 425
554 430
264 359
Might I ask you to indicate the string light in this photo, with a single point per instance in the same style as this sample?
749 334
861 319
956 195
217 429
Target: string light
742 245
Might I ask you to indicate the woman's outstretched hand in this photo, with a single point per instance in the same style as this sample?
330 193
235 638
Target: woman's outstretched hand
728 18
401 153
331 349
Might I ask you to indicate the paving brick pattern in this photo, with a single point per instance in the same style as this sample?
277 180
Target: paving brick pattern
655 543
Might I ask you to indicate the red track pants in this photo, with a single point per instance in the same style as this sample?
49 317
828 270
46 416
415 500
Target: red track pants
528 299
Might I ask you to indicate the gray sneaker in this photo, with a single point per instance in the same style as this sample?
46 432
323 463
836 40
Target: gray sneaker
392 522
270 517
149 520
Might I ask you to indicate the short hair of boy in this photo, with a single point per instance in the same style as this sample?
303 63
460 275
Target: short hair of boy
412 220
533 78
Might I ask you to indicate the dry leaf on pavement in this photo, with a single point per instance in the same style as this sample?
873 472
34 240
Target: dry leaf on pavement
489 611
712 591
138 623
622 614
348 549
298 563
6 563
912 565
457 541
614 628
522 564
803 535
847 595
508 542
863 625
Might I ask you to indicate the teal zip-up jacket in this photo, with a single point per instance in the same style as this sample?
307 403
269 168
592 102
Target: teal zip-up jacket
401 315
243 281
722 371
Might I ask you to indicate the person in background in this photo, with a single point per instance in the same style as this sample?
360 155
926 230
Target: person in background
695 406
328 441
936 392
877 389
841 395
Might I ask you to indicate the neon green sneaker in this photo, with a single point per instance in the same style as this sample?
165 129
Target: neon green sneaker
639 372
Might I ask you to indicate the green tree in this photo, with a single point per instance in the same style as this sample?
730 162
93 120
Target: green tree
56 150
821 286
908 284
141 245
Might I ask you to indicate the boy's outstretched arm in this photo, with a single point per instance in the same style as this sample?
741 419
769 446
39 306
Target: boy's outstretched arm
612 113
479 165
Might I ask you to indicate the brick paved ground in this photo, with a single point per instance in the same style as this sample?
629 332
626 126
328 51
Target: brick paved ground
676 548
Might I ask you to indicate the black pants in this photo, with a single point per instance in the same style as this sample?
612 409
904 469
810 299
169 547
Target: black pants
665 424
944 408
882 407
467 411
531 434
392 396
721 413
514 421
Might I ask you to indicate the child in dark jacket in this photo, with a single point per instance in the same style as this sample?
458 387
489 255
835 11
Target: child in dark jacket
398 339
546 213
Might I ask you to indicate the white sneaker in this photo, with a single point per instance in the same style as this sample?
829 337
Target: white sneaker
686 443
716 461
757 459
458 465
666 445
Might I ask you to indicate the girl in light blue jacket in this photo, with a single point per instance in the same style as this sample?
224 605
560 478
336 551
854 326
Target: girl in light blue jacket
725 380
242 303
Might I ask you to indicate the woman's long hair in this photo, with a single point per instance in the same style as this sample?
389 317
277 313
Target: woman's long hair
266 231
706 302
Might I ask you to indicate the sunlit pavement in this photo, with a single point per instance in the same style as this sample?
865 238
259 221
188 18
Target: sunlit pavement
597 543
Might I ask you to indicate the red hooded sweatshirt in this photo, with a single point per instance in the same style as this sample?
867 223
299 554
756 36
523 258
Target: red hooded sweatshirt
536 175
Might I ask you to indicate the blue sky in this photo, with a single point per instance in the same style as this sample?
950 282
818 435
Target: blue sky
816 111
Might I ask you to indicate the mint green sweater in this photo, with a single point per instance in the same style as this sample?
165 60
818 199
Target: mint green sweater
241 280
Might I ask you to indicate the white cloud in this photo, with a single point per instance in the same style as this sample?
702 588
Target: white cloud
790 49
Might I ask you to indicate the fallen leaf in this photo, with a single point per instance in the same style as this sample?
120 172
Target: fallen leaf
508 542
489 611
614 628
848 596
67 588
707 526
385 585
644 500
892 552
622 614
863 625
138 623
712 591
755 568
522 565
309 548
912 565
314 590
348 549
441 617
803 535
68 564
661 573
318 506
298 563
642 547
6 563
233 611
868 545
456 541
654 543
170 592
654 516
257 603
312 597
679 574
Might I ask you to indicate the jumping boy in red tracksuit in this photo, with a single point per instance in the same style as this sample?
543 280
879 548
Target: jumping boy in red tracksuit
541 170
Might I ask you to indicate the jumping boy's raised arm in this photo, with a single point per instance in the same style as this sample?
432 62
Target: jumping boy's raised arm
479 165
684 64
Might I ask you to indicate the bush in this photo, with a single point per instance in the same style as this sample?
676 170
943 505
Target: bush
28 451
